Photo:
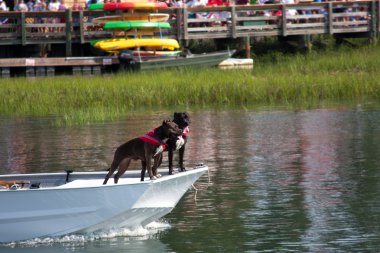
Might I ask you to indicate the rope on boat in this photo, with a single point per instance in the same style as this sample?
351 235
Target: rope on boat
196 191
209 177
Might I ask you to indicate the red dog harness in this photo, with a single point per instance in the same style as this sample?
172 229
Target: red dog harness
186 131
151 139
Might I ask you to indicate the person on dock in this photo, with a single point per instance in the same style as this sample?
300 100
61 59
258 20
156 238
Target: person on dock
3 6
30 4
77 6
40 5
21 6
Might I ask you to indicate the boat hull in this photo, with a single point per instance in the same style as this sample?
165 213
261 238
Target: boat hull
200 60
85 205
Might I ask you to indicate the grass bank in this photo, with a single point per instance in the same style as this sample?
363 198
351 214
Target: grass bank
297 80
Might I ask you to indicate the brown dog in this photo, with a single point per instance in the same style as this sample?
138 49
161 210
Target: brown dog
9 184
141 149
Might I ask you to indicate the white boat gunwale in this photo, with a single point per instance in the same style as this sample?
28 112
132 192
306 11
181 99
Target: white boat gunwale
66 186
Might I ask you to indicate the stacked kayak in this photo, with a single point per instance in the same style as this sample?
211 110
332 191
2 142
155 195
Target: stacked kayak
115 45
151 17
141 30
128 5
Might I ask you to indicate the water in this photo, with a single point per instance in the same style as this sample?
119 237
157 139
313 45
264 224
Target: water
280 181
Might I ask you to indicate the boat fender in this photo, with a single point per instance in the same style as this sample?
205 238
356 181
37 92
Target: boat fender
68 172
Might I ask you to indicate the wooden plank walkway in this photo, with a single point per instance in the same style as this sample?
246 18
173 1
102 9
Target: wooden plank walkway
26 28
58 61
47 66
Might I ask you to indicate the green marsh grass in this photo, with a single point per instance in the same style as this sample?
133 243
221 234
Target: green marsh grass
297 81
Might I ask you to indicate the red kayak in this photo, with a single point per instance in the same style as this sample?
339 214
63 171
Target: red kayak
134 5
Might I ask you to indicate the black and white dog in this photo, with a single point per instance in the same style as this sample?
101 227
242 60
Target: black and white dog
182 119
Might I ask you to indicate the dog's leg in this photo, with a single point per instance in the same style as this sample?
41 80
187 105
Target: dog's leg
122 168
148 160
170 158
181 154
111 170
143 170
156 164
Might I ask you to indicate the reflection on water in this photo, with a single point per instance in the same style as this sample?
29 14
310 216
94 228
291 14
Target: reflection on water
280 181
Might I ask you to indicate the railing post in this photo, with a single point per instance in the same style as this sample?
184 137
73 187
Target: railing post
284 20
23 28
378 16
247 47
178 23
331 19
81 27
373 32
185 24
69 24
233 21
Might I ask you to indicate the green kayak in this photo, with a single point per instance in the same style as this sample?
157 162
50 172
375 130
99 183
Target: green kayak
94 7
125 25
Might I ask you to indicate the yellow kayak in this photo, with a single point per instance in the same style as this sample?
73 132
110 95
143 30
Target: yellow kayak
112 45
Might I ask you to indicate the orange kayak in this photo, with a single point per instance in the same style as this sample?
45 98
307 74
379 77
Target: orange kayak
134 5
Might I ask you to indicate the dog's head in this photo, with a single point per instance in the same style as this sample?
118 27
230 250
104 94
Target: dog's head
170 129
182 119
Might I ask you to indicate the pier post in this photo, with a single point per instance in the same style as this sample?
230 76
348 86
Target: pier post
69 24
233 21
374 21
247 47
283 20
23 28
81 27
330 18
307 42
179 21
185 24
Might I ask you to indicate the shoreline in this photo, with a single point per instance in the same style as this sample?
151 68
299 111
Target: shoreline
291 81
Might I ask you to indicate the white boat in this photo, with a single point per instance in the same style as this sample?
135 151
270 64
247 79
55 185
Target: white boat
55 204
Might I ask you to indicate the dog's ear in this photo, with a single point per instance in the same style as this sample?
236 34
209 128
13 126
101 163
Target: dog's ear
166 121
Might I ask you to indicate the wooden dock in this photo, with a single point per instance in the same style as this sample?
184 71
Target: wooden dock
71 31
48 66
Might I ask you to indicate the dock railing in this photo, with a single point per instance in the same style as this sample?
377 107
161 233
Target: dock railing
200 23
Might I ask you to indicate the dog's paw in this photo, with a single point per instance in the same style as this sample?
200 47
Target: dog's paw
153 178
158 175
158 151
